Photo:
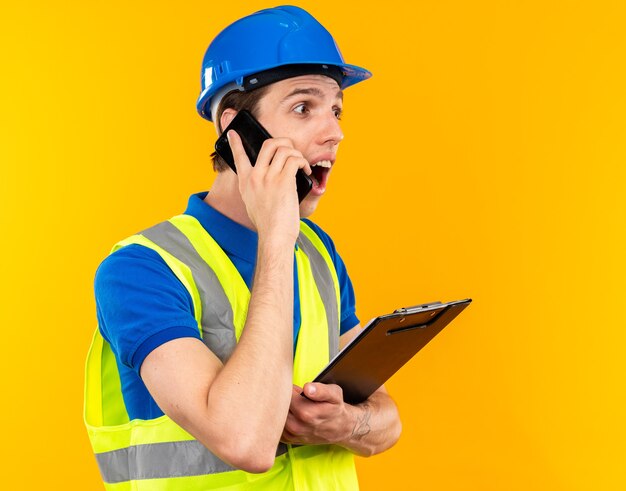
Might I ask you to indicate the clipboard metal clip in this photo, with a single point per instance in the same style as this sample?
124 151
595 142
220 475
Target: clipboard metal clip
416 308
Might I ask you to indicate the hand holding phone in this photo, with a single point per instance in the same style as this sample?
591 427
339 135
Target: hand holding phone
252 136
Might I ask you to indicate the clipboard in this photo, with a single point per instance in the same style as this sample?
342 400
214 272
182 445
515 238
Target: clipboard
385 345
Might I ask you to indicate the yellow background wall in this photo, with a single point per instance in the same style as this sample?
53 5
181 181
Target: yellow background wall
486 158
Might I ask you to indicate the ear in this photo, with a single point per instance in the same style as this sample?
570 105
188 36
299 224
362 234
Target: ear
227 117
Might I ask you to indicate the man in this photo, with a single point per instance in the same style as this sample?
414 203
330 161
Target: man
212 324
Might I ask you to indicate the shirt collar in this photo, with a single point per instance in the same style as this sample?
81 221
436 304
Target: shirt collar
234 238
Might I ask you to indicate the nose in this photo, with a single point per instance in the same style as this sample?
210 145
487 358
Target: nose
330 131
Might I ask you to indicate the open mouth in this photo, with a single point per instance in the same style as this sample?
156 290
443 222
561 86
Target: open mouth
319 174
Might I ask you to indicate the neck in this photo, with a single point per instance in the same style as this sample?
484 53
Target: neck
226 199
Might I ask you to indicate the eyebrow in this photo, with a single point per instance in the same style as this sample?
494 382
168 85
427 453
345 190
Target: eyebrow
314 91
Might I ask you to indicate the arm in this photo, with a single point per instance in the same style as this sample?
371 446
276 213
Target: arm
212 401
366 429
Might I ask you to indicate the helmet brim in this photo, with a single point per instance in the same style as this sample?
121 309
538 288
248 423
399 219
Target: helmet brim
352 74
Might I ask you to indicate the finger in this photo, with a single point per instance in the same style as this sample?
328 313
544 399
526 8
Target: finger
293 164
307 168
242 162
288 437
323 392
268 149
282 160
293 427
296 395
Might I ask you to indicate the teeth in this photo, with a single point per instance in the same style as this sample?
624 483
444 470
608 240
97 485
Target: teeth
323 163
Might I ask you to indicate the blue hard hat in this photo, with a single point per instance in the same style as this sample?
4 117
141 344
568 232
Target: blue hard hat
282 42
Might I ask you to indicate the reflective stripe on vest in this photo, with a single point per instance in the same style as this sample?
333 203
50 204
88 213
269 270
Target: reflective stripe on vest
158 454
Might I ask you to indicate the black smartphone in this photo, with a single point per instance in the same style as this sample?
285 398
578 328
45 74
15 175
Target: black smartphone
253 135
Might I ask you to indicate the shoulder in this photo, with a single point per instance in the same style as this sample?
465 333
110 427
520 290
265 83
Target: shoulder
135 275
130 263
140 300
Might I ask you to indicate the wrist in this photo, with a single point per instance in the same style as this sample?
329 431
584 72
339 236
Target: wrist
275 258
274 241
361 421
281 229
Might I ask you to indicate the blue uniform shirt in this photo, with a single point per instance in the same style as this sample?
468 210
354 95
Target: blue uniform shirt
142 305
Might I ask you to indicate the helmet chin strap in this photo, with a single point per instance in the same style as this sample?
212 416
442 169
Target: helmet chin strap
215 102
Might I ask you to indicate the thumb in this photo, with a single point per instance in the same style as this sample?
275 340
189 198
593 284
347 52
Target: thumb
323 392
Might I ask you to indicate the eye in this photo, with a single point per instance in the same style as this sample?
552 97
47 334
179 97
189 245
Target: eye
338 112
301 108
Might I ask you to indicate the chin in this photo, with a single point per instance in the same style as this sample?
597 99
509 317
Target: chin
308 206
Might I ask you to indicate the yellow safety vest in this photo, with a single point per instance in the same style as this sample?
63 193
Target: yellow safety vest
157 454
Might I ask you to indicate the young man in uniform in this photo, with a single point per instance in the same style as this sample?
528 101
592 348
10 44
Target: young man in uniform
212 323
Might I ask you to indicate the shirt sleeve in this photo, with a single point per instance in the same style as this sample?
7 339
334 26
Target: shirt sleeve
348 318
141 304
